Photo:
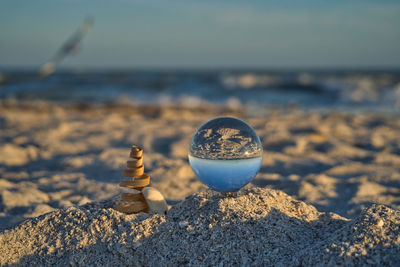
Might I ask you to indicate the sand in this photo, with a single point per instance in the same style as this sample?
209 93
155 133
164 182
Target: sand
328 191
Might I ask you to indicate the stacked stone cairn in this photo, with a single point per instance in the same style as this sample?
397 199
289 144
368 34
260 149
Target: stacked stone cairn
134 202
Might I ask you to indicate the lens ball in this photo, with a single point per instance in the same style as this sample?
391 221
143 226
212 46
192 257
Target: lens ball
225 154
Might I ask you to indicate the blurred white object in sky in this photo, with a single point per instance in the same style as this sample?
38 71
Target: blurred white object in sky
69 47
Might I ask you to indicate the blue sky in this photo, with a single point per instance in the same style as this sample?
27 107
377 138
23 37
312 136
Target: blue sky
161 33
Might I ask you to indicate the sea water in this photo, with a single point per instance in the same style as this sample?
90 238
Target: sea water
254 91
225 175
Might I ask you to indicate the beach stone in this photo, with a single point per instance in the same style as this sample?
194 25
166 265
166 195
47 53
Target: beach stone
155 200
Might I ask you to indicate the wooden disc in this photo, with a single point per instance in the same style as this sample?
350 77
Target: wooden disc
143 181
144 176
134 162
133 172
133 207
132 197
136 152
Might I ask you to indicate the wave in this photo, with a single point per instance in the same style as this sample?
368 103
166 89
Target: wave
332 89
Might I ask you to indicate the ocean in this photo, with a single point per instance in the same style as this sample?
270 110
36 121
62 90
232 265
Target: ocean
354 90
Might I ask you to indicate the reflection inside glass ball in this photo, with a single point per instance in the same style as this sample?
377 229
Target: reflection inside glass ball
225 154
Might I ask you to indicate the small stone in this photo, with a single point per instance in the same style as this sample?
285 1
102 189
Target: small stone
155 200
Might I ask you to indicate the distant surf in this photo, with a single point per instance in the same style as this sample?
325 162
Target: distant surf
345 90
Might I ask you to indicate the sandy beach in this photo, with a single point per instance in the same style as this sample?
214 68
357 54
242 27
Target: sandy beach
199 133
328 191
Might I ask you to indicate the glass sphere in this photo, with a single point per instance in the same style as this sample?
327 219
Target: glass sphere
225 154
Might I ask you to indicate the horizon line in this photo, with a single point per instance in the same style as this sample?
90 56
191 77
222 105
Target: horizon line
206 68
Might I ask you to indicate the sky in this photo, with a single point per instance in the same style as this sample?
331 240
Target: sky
204 34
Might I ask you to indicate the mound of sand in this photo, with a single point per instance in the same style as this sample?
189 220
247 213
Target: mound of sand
253 227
